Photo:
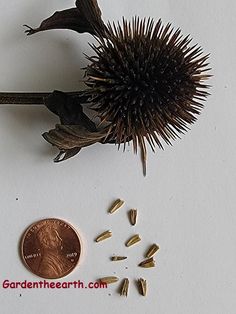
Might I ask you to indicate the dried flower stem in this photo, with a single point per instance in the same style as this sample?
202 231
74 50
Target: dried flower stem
12 98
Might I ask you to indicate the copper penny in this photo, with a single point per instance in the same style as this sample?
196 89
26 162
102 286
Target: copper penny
51 248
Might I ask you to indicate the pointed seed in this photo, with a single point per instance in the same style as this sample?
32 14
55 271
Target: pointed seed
133 216
152 250
103 236
109 280
147 263
116 205
118 258
133 240
125 287
142 285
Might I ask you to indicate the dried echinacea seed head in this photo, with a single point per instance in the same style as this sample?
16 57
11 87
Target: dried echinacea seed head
124 287
142 286
133 240
147 263
152 250
115 206
109 280
133 216
118 258
147 82
103 236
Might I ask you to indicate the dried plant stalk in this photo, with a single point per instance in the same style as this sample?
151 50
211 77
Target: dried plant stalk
133 216
152 250
103 236
116 205
133 240
125 287
118 258
142 286
147 263
109 280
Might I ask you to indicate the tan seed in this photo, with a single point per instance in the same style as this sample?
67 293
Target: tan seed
133 240
124 287
109 280
142 285
103 236
116 205
118 258
147 263
133 216
152 250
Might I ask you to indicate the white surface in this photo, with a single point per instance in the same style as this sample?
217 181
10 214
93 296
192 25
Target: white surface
186 203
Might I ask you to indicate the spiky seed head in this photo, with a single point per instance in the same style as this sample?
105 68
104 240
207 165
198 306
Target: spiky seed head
147 81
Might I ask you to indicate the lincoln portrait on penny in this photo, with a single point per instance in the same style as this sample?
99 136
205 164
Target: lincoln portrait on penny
53 263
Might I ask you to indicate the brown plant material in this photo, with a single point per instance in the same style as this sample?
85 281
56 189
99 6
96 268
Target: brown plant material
124 287
133 240
145 81
147 263
115 206
142 286
118 258
133 216
103 236
152 250
85 17
109 280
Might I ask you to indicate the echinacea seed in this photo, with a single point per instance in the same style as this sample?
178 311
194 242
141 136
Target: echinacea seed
147 263
109 280
152 250
118 258
116 205
103 236
142 286
133 240
124 287
133 216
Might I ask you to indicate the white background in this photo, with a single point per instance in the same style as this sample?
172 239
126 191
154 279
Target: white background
186 203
